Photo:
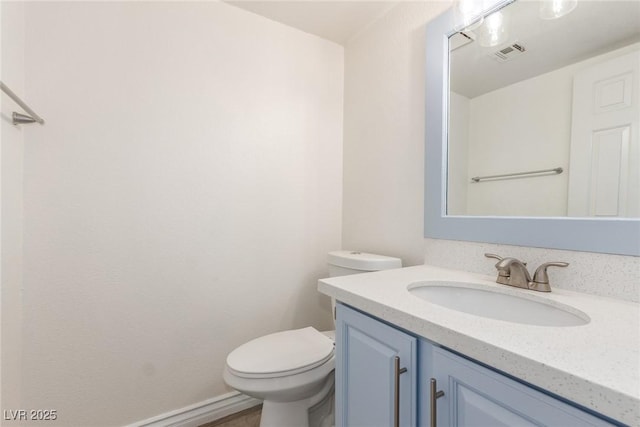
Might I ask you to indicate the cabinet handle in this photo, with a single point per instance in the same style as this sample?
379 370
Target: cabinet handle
396 403
434 396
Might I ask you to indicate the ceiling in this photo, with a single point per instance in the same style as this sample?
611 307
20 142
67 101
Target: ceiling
338 21
593 28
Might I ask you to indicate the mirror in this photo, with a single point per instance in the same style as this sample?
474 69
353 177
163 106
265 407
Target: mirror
522 107
527 94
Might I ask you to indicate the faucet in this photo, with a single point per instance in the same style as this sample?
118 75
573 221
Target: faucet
513 272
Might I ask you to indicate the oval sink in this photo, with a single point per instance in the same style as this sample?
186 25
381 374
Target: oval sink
466 298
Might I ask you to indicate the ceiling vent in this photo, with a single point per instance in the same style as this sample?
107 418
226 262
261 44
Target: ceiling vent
460 39
508 53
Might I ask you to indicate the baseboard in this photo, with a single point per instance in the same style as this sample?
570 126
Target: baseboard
201 413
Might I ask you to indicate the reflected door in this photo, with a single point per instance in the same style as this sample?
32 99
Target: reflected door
604 176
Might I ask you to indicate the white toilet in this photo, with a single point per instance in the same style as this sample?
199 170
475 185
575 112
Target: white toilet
292 371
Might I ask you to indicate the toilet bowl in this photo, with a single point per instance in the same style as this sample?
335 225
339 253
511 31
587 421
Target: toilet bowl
293 371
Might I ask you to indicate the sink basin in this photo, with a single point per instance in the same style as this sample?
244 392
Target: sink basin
470 298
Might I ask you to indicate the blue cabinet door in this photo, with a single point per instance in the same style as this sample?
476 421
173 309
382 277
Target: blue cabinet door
376 376
475 396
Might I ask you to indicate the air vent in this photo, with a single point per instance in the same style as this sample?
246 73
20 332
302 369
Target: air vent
460 39
509 52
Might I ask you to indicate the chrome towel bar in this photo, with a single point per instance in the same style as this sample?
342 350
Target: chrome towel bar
18 118
541 172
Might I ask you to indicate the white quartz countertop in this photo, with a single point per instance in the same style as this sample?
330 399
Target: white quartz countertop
596 365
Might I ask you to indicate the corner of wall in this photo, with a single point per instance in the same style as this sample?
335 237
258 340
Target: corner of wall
11 160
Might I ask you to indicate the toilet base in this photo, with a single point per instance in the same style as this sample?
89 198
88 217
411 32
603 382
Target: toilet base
282 414
316 411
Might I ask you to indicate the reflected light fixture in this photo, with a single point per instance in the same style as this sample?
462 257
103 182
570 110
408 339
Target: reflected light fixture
468 14
553 9
494 30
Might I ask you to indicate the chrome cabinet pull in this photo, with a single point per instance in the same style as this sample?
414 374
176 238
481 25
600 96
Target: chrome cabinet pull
435 394
396 403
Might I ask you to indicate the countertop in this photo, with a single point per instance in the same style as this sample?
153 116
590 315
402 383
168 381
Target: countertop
596 365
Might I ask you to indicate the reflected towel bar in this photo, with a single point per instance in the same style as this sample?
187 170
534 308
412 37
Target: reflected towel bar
542 172
17 117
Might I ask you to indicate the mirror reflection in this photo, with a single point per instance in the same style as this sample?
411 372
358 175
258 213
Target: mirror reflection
543 111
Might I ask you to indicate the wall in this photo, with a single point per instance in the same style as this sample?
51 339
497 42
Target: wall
384 134
458 155
11 167
384 167
516 129
179 201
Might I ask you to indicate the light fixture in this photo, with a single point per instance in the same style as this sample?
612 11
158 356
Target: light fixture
494 30
553 9
468 14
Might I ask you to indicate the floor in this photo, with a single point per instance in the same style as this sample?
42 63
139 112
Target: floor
247 418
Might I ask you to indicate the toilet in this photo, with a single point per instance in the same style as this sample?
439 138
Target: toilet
292 371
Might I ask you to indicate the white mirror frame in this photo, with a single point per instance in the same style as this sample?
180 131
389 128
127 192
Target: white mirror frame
615 236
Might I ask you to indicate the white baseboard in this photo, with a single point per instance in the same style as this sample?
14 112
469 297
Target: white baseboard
201 413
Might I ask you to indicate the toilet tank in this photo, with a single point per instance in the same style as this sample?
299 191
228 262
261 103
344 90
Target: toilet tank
343 263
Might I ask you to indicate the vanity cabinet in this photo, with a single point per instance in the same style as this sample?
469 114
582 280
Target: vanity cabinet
473 395
376 372
373 390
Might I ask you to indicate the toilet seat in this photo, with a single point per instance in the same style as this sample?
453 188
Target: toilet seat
281 354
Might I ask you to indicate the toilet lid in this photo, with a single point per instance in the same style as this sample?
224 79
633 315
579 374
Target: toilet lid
282 353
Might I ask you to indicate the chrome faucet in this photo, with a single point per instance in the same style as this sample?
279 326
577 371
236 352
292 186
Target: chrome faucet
513 272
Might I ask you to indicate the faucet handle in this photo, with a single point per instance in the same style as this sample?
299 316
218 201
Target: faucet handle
541 277
498 257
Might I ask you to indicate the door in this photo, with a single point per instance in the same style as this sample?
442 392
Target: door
376 376
604 174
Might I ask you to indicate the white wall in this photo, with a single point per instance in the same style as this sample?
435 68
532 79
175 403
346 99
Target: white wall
179 201
524 126
11 166
384 134
384 167
458 154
